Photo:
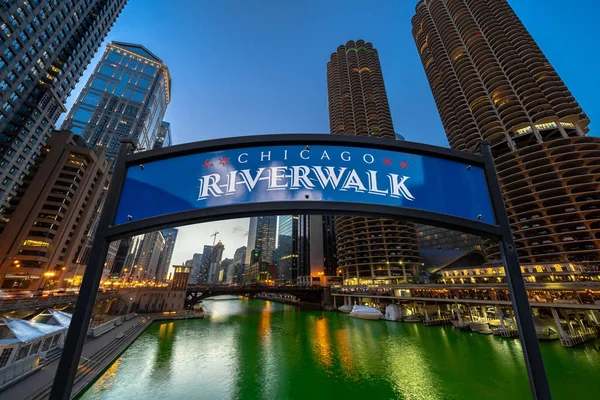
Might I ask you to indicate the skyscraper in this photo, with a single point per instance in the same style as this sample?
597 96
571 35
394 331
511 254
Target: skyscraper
44 49
287 248
170 236
46 231
204 265
216 255
491 81
262 236
126 97
196 267
369 250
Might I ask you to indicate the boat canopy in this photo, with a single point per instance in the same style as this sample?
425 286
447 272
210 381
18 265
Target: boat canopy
53 317
20 331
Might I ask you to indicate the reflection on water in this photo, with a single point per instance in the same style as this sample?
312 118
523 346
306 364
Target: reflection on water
252 349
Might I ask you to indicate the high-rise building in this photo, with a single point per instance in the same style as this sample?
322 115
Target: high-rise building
44 49
491 81
44 235
239 263
287 248
216 255
163 137
153 244
196 267
126 97
202 278
262 236
170 236
369 250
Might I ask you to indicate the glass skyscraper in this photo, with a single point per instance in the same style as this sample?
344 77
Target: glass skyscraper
125 98
44 49
261 240
287 248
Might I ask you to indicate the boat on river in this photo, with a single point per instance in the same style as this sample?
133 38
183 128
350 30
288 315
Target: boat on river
346 308
480 327
364 312
392 313
412 318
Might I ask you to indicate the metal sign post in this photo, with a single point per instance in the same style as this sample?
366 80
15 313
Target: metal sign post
302 174
516 285
71 353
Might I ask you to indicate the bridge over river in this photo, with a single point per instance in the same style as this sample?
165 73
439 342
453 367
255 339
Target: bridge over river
313 295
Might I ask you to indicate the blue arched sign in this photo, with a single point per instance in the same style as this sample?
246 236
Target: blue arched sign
301 174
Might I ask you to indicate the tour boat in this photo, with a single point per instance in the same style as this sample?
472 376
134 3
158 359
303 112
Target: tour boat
392 313
364 312
412 318
346 308
480 327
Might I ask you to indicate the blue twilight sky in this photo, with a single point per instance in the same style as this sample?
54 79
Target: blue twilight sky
242 67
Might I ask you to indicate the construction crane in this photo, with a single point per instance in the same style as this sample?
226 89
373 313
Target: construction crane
215 237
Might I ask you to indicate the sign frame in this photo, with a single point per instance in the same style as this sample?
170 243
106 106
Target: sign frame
106 232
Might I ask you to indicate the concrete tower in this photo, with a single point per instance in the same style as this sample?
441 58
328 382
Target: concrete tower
369 250
491 81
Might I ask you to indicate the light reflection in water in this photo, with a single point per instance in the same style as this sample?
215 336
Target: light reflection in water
250 349
321 342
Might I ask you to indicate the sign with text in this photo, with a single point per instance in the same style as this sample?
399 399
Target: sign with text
332 173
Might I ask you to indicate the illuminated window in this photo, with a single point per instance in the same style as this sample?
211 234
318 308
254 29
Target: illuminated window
36 243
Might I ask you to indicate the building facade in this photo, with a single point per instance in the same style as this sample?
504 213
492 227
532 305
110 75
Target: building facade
287 248
152 246
44 234
434 237
196 267
202 278
262 235
44 49
239 262
126 97
216 254
369 250
170 236
491 81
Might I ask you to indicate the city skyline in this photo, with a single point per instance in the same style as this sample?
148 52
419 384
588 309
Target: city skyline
196 98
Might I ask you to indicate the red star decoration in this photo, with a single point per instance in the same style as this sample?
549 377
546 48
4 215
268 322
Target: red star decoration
207 163
404 164
224 160
387 161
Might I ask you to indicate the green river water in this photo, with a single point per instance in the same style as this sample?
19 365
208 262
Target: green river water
254 349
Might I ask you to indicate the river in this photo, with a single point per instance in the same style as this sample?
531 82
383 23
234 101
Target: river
254 349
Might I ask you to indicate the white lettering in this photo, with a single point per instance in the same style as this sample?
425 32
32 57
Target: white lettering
325 155
354 182
285 154
263 155
277 173
373 184
240 158
248 181
302 155
330 178
209 187
397 187
300 177
347 155
365 158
